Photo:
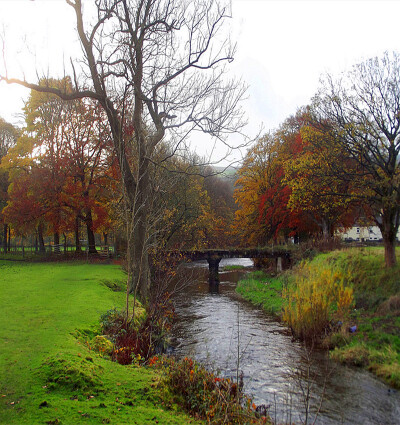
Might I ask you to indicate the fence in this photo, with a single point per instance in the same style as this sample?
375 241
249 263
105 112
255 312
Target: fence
17 250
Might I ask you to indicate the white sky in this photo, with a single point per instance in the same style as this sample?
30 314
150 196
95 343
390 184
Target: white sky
283 47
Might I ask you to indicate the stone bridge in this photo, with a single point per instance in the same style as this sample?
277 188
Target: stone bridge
214 256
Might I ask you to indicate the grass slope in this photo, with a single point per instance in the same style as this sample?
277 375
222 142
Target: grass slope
376 344
47 375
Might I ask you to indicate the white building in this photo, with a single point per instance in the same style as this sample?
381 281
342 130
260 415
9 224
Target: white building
364 233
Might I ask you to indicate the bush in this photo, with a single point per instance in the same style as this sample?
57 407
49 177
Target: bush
140 338
318 296
204 394
101 345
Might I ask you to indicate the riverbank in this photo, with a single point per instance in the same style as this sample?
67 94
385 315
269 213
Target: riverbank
263 290
371 336
49 372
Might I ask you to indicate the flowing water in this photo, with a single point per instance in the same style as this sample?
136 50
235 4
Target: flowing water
228 334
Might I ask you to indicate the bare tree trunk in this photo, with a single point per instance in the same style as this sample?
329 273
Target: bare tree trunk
389 230
390 253
56 238
141 269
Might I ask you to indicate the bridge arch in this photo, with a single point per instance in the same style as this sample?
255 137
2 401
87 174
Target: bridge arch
214 257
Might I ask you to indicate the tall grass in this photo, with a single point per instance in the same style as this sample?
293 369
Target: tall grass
318 296
376 292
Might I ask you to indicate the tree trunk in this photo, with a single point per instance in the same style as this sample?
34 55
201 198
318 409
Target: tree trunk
140 266
9 239
326 229
105 237
78 247
56 238
90 233
41 240
5 228
390 252
389 229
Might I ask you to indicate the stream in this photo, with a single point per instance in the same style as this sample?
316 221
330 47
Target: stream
226 334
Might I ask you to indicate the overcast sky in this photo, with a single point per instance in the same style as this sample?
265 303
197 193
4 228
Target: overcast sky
283 47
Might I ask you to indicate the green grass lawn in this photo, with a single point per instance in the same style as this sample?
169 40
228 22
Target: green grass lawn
47 374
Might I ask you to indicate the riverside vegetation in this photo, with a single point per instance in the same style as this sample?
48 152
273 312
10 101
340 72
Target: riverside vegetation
55 361
346 299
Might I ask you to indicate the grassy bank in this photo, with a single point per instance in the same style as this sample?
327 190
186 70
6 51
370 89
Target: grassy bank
48 373
262 290
376 343
375 311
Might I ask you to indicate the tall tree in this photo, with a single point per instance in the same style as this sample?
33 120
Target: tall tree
314 177
87 154
8 137
364 105
160 65
257 175
61 165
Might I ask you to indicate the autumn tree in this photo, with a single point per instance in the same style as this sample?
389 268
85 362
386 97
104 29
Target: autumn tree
59 167
262 193
364 106
88 164
314 178
160 65
256 176
8 137
26 207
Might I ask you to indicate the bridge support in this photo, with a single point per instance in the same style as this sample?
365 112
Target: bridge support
213 268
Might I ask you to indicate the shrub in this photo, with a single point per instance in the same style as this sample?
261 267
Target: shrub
102 345
204 394
140 338
318 296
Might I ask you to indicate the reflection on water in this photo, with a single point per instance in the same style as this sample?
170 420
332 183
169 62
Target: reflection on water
219 329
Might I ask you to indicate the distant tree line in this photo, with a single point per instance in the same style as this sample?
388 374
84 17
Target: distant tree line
59 176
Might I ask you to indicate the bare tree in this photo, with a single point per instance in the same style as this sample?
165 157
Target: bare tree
364 106
157 67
